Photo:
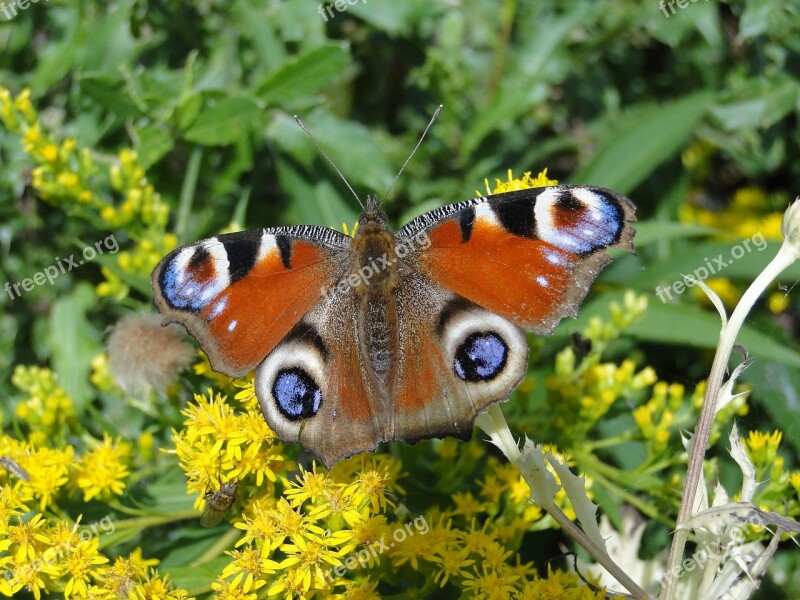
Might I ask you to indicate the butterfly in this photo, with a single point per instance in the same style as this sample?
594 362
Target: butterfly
392 336
218 503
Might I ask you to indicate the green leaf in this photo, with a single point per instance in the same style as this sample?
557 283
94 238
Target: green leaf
155 141
350 145
225 122
764 103
522 85
196 577
648 232
700 329
395 18
302 77
682 325
705 260
317 204
640 140
73 341
111 93
776 389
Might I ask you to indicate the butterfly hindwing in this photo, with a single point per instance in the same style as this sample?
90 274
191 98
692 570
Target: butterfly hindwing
239 294
315 387
528 255
454 359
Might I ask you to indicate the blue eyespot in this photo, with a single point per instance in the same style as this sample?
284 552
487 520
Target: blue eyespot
297 394
481 357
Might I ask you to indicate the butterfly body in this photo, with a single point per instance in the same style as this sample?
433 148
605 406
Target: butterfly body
384 336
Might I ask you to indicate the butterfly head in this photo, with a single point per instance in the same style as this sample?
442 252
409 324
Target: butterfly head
373 218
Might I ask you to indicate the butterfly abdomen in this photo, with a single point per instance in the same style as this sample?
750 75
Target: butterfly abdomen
375 273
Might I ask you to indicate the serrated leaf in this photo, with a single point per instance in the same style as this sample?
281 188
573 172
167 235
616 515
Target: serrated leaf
351 146
111 93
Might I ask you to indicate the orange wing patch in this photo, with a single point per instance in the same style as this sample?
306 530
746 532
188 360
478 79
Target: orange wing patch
240 301
260 309
522 279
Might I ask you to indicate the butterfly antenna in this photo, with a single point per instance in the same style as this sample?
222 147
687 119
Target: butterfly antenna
326 157
414 151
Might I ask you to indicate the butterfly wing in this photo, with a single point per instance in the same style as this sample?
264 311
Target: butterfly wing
481 271
454 359
528 255
239 294
316 388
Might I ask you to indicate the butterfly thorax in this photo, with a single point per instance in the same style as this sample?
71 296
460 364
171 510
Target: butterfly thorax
375 276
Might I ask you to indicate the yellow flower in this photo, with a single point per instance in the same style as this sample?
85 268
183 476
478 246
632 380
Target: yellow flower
120 578
488 584
310 485
28 537
409 546
560 584
452 562
247 568
366 533
541 180
794 481
79 565
159 587
362 589
491 489
47 404
12 502
102 471
778 302
311 556
467 505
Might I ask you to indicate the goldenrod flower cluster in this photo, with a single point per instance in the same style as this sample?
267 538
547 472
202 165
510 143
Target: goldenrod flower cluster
46 406
43 553
110 189
296 530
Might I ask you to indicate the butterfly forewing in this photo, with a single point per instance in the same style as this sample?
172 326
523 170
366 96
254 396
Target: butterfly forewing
239 294
528 255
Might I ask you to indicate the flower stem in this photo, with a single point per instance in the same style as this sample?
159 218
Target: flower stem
785 257
493 422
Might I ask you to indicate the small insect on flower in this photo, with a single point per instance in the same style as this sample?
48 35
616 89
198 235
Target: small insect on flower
218 503
10 465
